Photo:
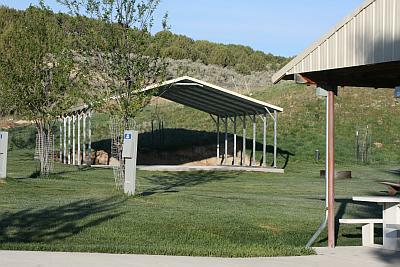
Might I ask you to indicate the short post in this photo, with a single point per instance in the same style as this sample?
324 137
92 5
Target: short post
275 137
129 153
253 162
264 162
243 158
234 141
3 154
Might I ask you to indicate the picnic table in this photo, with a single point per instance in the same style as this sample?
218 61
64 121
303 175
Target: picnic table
391 219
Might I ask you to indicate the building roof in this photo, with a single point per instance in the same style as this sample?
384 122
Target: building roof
210 98
362 50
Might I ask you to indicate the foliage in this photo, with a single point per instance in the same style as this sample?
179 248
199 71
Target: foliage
38 77
118 63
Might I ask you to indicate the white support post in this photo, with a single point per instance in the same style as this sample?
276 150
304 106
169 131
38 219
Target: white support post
69 140
79 140
275 137
234 141
253 161
243 162
84 139
264 162
73 140
90 138
226 141
65 140
61 141
218 142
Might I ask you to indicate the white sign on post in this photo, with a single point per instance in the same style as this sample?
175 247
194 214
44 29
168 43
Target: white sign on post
3 154
129 153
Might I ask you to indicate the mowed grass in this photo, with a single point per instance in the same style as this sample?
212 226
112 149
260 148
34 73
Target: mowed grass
202 214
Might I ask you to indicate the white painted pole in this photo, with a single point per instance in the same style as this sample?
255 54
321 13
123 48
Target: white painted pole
253 162
65 141
244 142
73 140
275 137
84 139
61 141
226 141
79 139
264 163
234 141
90 138
69 140
218 141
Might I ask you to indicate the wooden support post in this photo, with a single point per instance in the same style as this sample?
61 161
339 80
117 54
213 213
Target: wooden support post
234 141
218 142
253 161
79 139
275 137
243 159
264 161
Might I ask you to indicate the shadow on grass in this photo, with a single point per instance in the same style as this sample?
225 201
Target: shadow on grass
171 182
55 222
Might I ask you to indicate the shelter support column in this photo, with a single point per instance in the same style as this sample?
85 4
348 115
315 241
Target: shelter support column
226 141
69 140
61 141
79 139
234 141
243 159
84 139
331 164
90 137
65 140
275 136
73 140
264 160
218 142
253 161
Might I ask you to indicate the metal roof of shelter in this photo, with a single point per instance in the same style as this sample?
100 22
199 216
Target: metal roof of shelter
210 98
363 50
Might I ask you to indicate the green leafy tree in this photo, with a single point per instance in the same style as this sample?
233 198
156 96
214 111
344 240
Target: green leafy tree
119 61
38 76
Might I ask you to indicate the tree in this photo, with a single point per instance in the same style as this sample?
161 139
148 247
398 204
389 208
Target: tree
120 60
38 77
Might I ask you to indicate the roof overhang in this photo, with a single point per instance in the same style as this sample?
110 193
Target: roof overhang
210 98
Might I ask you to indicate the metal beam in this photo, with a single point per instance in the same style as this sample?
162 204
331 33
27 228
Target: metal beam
65 140
79 139
69 140
61 146
84 139
90 138
73 140
218 142
226 141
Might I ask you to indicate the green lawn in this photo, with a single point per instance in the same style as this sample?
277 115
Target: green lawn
207 214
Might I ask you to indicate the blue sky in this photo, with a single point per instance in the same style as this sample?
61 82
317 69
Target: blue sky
282 27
